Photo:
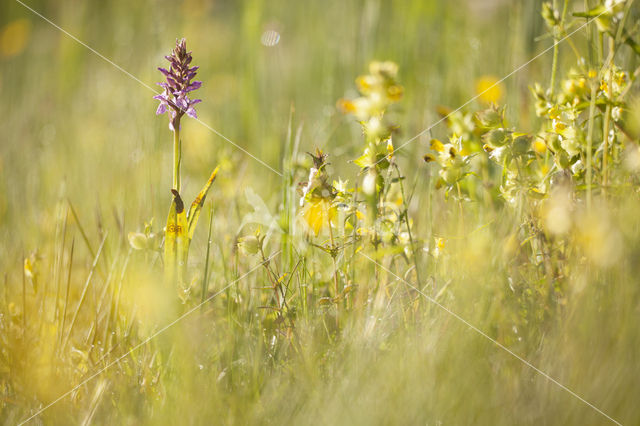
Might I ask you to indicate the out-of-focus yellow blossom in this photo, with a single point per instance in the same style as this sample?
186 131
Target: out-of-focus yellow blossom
600 240
453 160
317 214
618 79
317 195
378 89
574 88
14 37
539 146
438 246
489 89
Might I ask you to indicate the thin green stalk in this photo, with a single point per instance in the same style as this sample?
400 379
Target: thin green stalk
558 32
607 120
592 112
84 235
60 261
66 297
590 32
554 63
273 279
118 294
100 302
84 291
461 219
302 285
406 221
24 299
354 238
6 290
205 278
177 150
287 199
335 269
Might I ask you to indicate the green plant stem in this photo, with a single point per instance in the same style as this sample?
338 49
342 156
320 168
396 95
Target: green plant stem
24 299
335 270
406 221
354 238
554 63
592 113
461 219
333 247
607 119
205 278
275 284
66 298
590 30
177 152
558 32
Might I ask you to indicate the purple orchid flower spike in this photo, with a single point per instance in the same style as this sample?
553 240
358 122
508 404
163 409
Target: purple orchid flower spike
177 86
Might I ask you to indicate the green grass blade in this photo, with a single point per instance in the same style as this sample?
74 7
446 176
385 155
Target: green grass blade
84 290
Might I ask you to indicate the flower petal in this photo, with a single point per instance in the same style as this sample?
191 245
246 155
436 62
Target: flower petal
172 82
182 103
193 86
162 108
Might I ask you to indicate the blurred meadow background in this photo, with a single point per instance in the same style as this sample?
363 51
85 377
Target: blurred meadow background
85 169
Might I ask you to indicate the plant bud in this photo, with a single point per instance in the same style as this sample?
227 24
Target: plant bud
496 138
551 17
521 145
489 118
138 240
249 245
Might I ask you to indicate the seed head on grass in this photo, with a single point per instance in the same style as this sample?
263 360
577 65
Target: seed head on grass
179 82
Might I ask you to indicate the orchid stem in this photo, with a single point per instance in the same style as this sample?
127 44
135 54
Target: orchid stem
177 159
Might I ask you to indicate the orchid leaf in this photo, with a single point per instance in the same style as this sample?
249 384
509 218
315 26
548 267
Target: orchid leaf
196 206
170 247
176 241
182 238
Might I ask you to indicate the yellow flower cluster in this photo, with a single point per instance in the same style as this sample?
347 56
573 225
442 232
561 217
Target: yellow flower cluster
452 158
379 90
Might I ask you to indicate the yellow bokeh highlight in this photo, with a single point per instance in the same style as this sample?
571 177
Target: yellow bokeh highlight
14 37
489 89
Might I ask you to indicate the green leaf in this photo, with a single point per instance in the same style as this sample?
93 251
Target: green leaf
182 238
632 44
196 206
170 244
596 11
363 161
176 241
